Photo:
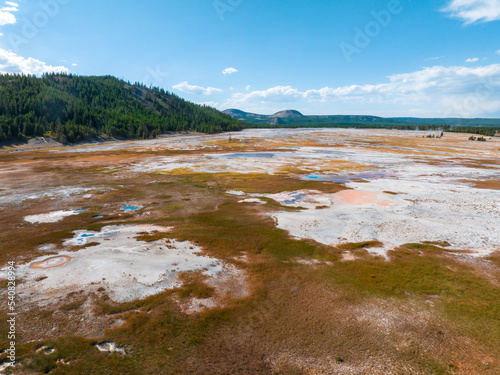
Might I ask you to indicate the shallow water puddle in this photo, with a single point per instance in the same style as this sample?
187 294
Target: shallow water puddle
48 247
345 179
302 198
45 350
130 208
81 238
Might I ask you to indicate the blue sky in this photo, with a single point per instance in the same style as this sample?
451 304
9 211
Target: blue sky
420 58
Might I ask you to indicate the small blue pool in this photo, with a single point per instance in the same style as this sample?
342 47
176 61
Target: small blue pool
346 179
130 208
294 198
81 238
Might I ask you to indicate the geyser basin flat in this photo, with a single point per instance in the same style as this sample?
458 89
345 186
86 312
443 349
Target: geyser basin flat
127 268
466 217
422 305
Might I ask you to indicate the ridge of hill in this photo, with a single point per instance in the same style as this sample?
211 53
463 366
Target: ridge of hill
73 108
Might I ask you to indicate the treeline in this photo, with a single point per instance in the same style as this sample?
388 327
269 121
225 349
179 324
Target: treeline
488 131
73 108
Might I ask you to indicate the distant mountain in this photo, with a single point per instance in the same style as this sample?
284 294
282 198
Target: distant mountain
293 117
289 113
74 108
246 116
296 119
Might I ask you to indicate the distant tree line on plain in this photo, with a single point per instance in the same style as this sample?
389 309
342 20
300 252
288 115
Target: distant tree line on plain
74 108
489 131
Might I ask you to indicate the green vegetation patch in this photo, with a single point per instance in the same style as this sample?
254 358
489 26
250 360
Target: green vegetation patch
258 183
232 229
155 236
359 245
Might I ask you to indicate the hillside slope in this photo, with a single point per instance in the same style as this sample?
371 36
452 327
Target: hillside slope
73 108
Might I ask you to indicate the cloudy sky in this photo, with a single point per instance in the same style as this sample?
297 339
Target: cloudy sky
425 58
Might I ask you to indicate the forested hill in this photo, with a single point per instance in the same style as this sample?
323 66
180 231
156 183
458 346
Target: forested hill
73 108
294 119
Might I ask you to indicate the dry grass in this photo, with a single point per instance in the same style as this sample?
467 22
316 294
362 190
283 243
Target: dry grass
155 236
493 184
194 285
257 183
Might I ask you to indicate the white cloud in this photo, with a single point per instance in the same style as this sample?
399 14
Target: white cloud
12 63
471 11
229 71
276 94
198 90
456 91
472 60
498 52
74 64
6 14
248 87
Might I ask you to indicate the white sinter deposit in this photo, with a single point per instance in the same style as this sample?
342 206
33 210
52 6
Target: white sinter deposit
127 268
466 217
51 217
